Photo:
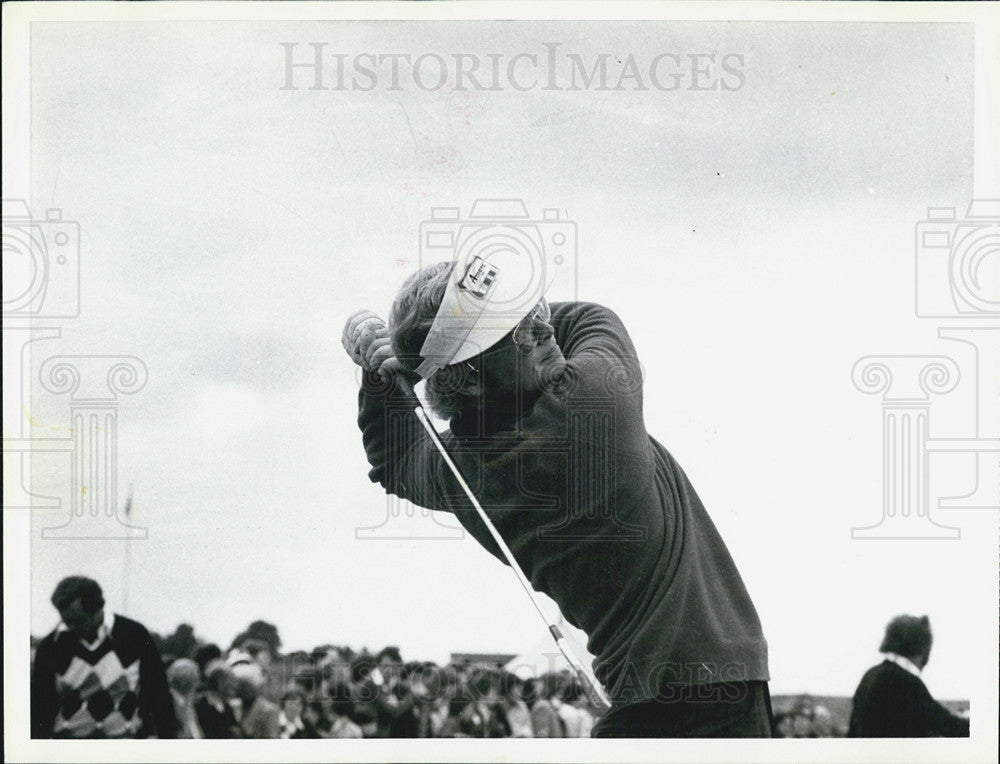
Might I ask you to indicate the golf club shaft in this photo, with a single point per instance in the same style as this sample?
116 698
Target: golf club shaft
596 691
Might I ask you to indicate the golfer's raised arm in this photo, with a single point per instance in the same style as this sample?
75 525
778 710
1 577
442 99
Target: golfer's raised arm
401 454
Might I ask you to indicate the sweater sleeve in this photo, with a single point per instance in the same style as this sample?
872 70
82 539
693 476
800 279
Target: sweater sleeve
938 720
603 371
402 456
44 698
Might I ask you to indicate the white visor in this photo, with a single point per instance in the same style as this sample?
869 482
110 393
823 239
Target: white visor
492 287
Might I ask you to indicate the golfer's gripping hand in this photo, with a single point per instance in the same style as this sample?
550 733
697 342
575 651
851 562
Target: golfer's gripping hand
366 340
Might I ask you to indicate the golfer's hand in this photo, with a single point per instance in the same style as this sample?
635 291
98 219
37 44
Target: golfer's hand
366 340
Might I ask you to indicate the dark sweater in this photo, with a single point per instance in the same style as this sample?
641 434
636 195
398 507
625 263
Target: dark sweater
597 513
117 690
892 702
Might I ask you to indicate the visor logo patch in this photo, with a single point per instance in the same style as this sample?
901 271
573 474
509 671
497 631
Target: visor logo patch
479 278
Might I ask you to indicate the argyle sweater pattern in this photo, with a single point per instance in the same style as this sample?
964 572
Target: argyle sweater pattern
116 690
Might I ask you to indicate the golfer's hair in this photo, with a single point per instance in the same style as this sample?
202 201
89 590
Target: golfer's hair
907 635
410 320
73 588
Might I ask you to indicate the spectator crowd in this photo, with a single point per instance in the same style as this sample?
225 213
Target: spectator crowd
251 690
333 692
99 674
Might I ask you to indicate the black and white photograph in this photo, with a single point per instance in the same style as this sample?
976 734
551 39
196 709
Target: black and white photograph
411 381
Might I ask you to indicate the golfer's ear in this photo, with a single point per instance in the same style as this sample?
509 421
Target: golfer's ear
471 386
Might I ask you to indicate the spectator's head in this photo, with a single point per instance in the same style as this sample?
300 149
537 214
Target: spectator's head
249 680
784 725
511 347
909 636
510 686
258 650
801 725
390 663
822 722
292 703
182 676
219 678
205 654
428 682
482 683
549 685
361 666
572 692
335 666
80 603
530 691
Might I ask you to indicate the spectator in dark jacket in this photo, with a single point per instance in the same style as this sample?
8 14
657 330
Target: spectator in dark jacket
98 674
214 712
892 700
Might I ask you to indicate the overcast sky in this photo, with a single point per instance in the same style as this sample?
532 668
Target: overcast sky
756 242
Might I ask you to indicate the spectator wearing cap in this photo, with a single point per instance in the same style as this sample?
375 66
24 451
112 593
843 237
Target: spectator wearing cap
213 708
259 717
182 676
98 674
892 700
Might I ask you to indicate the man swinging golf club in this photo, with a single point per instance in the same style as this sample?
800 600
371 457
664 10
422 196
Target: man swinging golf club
548 465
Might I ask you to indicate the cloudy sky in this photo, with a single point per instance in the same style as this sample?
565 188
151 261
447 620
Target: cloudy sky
756 241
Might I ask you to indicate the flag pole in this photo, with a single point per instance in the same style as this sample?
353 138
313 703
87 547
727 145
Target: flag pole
128 551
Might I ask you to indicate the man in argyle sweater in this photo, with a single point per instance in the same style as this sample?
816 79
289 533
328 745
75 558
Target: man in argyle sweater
98 676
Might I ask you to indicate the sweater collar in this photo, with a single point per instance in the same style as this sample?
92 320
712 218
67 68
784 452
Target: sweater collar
903 662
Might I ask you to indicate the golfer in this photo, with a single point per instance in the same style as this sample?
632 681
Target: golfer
544 404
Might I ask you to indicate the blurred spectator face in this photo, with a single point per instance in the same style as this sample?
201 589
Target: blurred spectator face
801 726
785 726
219 679
822 722
293 707
79 621
249 681
182 676
390 669
313 713
337 670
